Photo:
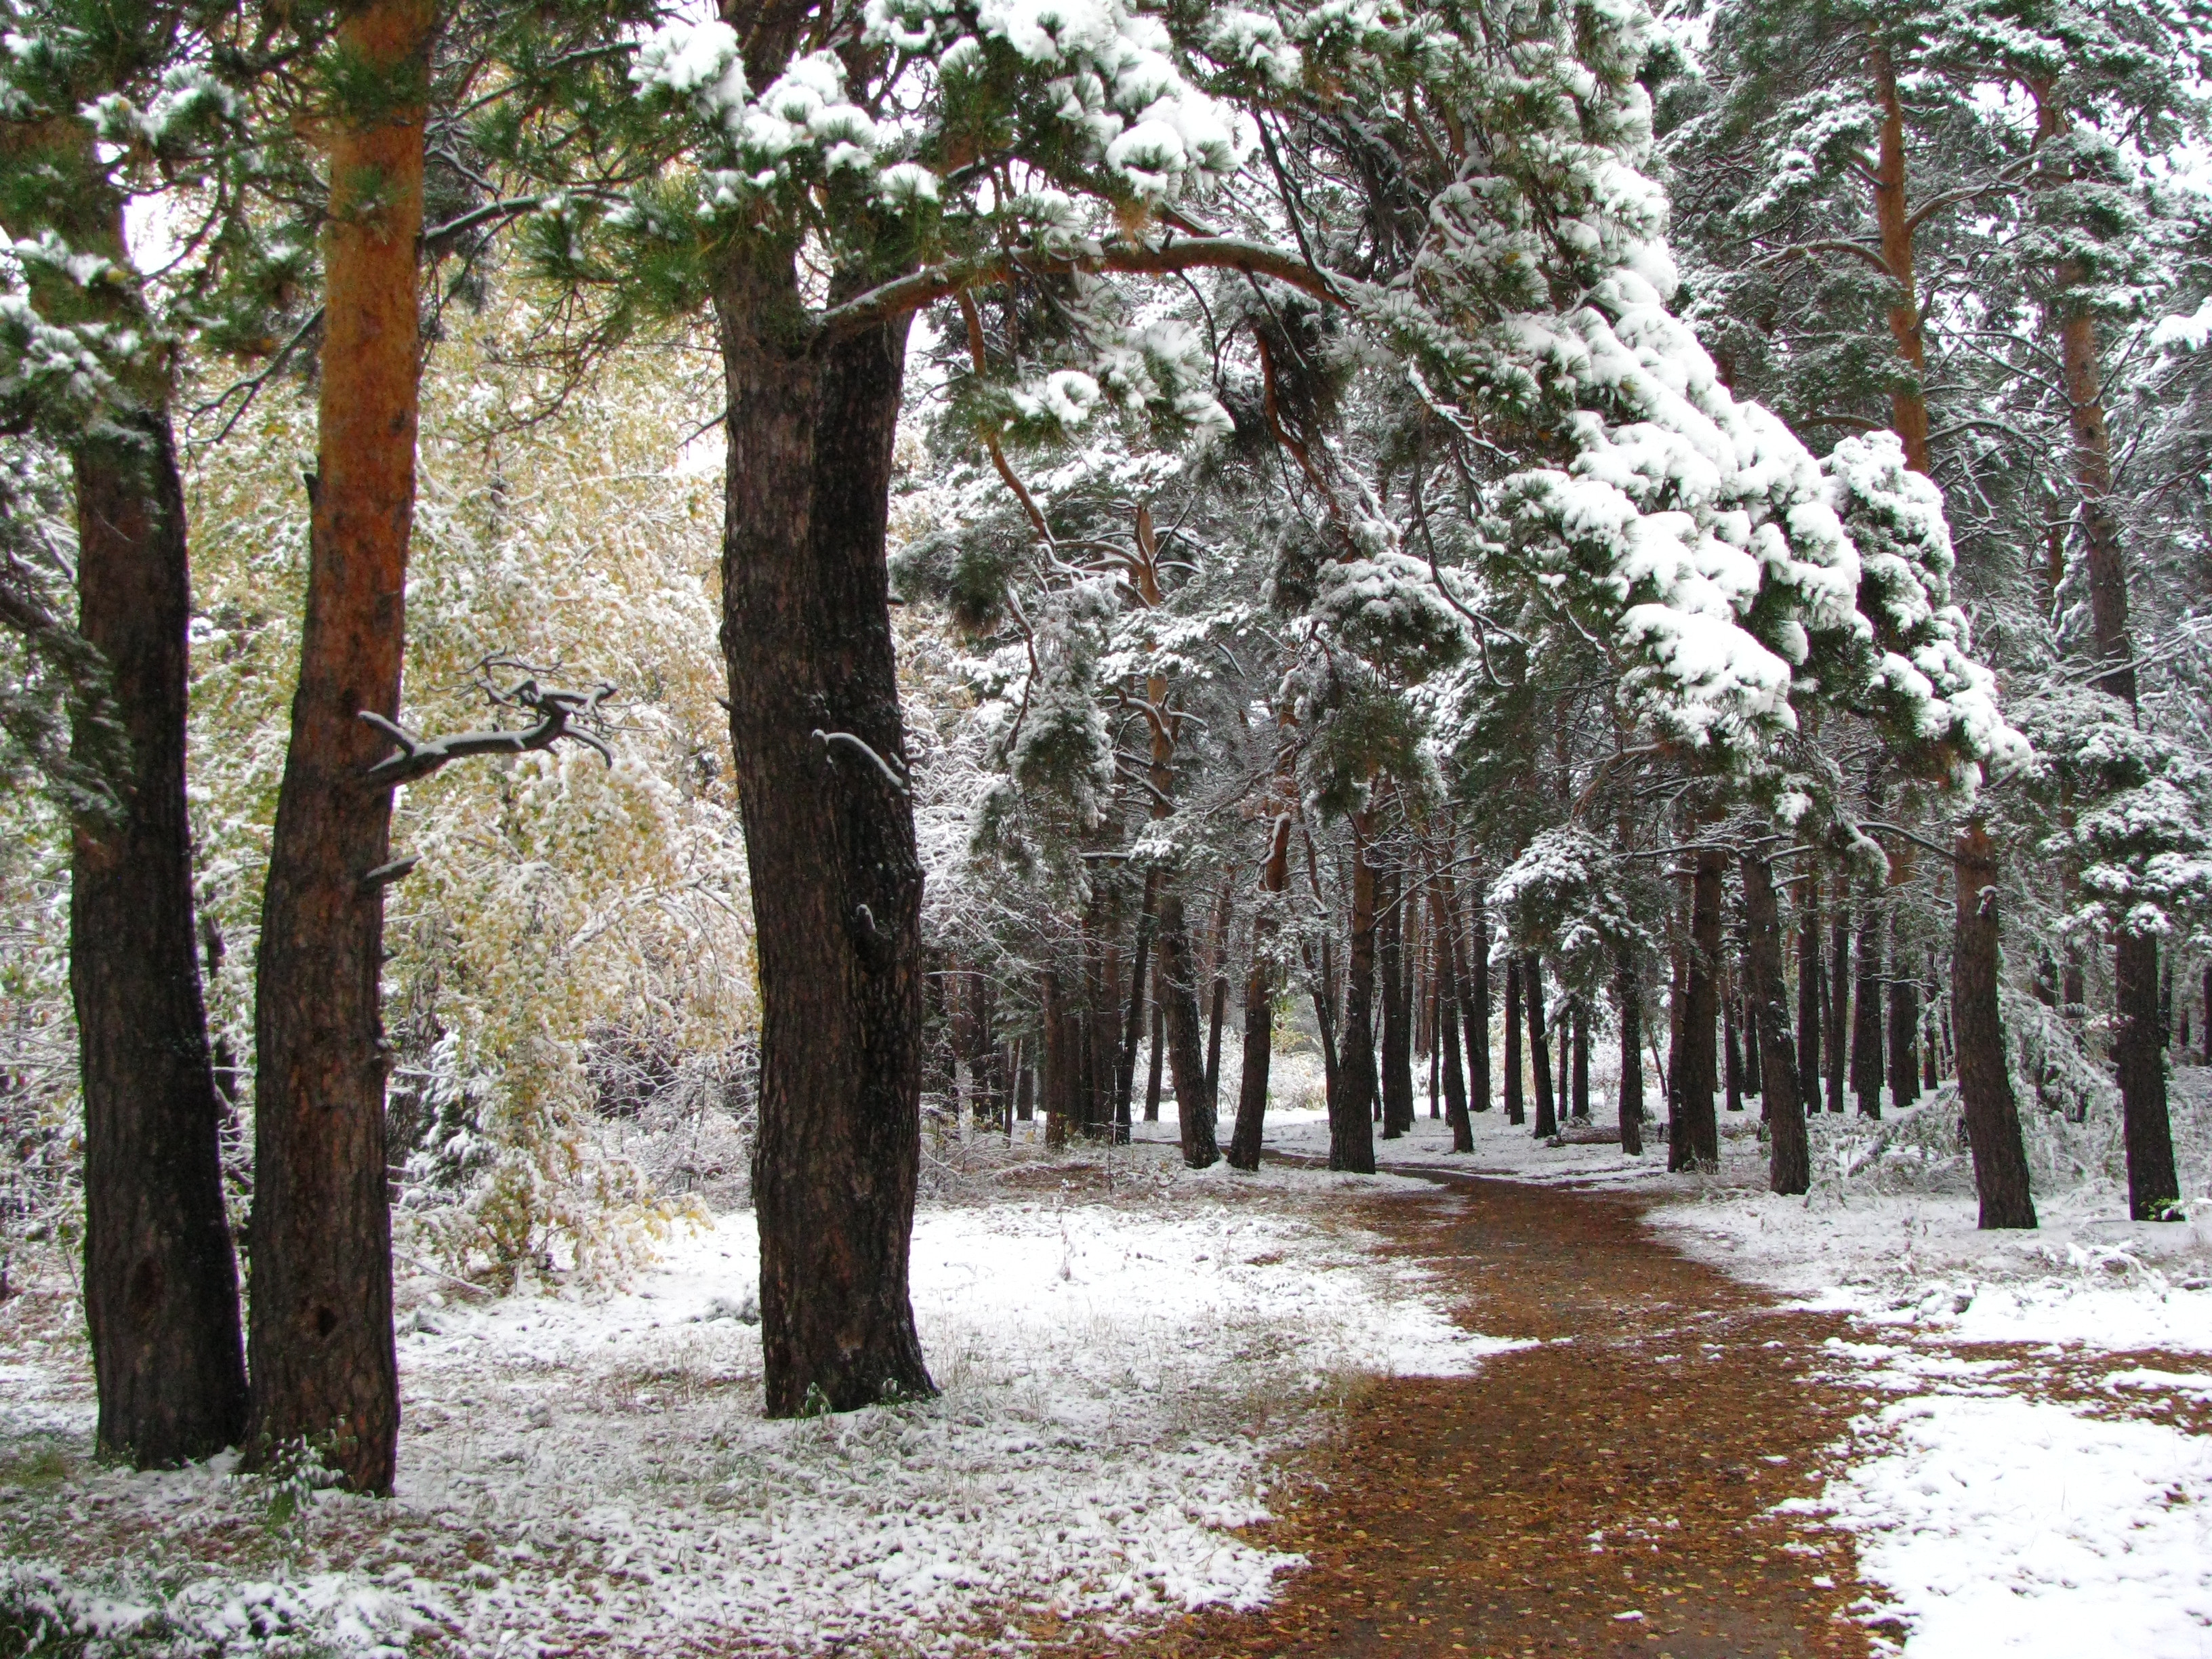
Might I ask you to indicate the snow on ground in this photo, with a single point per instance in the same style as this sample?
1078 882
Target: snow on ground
2018 1485
1118 1366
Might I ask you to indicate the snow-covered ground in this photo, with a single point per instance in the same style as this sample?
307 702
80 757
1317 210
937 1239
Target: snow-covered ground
1118 1366
2030 1476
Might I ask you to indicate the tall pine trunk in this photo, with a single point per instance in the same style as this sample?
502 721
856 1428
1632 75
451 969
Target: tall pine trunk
1516 1114
1540 1051
1628 995
1984 1086
320 1338
1699 1145
1259 1004
829 843
161 1280
1448 1018
1350 1130
1397 1007
1835 1017
1179 977
1809 991
1789 1151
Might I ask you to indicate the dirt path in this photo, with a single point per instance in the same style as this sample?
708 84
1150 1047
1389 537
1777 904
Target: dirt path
1625 1465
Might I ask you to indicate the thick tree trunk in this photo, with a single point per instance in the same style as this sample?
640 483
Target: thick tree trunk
1540 1051
1904 1034
1835 1019
836 882
1984 1086
320 1339
1472 968
1217 995
1580 1096
1515 1113
1397 1007
1866 1017
1908 406
161 1282
1628 996
1179 975
1351 1131
2153 1187
1025 1082
1753 1082
1259 1004
1448 1017
1788 1151
1700 1065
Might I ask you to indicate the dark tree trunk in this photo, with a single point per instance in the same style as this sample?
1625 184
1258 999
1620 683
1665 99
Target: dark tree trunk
1351 1131
1700 1064
1678 990
2153 1187
1515 1113
161 1282
1836 1015
1992 1116
1628 996
1540 1051
1904 1035
1397 1006
1158 1056
1448 987
1218 996
1059 1064
1141 962
2208 1013
1581 1095
837 883
1259 1004
1731 1053
1024 1083
1753 1081
1179 977
320 1339
1808 992
1789 1151
1323 990
1866 1017
1104 1027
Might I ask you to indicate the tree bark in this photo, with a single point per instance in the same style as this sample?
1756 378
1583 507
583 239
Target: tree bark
1515 1113
1809 991
1580 1097
1992 1116
1904 1034
1259 1004
1397 1034
1217 995
829 842
1835 1015
2153 1186
1788 1151
1908 406
1540 1051
320 1338
1472 971
1159 1055
160 1281
1731 1052
1628 995
1351 1131
1700 1065
1179 975
1140 956
1752 1077
1448 1017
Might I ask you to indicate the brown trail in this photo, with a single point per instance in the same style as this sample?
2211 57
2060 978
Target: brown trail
1668 1405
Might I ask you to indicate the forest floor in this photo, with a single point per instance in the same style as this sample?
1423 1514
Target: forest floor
1539 1399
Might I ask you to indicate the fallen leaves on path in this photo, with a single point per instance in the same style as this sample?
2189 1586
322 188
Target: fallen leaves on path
1609 1492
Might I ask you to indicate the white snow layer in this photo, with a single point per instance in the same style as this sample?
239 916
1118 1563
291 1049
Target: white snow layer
1115 1378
